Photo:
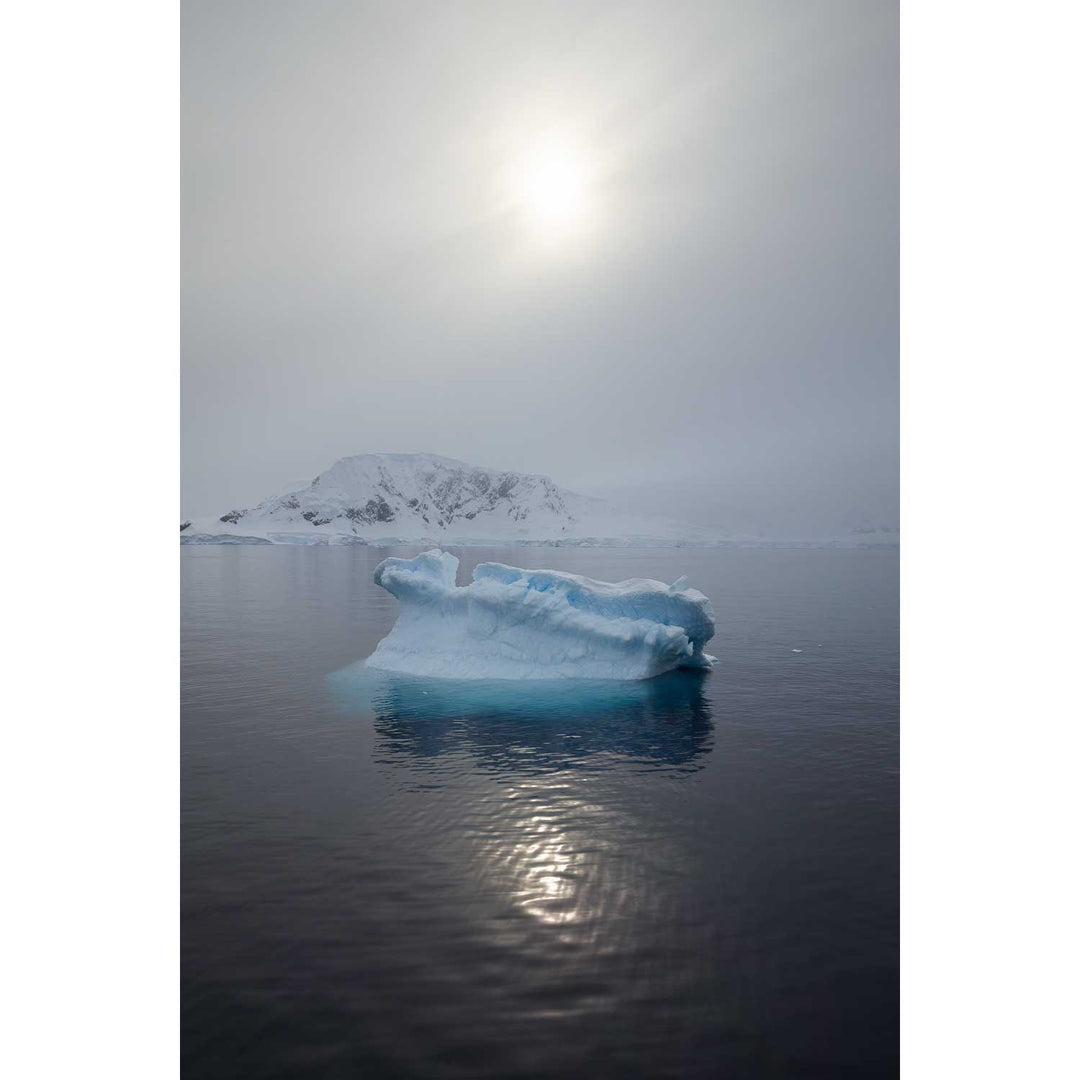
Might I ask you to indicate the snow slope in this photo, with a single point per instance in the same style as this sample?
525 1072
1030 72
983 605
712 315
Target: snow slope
376 498
537 624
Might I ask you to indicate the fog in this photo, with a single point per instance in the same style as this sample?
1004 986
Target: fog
649 250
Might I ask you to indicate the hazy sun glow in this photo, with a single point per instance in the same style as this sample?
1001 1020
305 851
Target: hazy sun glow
549 190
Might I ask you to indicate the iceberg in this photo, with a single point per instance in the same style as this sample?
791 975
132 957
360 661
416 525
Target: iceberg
511 623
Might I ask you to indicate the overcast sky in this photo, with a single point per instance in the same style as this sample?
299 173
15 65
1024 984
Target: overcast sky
643 248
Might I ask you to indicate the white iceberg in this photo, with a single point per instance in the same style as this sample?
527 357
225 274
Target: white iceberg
537 624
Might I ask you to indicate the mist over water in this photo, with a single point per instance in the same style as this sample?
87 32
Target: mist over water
390 876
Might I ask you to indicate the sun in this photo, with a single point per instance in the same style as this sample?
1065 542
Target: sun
555 190
550 190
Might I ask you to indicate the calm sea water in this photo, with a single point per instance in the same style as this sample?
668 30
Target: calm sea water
695 876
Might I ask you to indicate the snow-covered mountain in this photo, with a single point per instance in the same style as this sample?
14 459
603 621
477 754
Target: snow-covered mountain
380 497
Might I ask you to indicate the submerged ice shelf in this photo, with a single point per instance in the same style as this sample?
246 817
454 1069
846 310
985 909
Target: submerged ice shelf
537 624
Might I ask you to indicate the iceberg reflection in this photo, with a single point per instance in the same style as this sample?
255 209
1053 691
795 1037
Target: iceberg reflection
535 725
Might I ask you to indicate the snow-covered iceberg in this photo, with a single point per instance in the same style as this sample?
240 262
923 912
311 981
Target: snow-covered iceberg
537 624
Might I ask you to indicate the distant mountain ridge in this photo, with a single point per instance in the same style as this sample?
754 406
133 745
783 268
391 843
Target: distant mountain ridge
383 496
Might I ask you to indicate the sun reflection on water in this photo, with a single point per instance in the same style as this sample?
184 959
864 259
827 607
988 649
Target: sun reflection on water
548 869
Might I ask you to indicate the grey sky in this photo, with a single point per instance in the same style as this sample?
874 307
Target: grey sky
717 325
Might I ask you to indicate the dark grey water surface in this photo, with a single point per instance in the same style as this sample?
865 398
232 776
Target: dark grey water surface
695 876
